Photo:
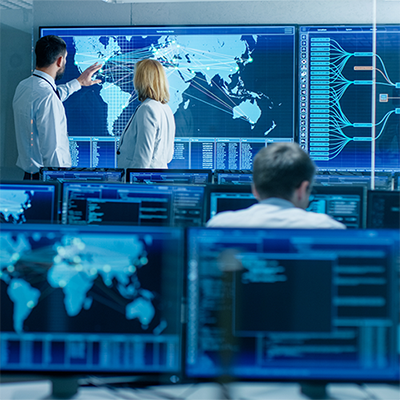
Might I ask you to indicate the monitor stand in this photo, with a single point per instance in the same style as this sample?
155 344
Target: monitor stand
63 388
314 390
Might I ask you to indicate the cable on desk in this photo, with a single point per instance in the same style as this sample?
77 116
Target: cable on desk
370 395
108 383
183 396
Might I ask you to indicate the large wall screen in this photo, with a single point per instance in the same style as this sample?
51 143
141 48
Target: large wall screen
232 90
335 92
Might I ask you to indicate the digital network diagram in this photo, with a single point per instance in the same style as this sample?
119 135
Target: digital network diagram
336 68
232 90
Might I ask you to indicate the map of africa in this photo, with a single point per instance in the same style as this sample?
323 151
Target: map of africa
32 267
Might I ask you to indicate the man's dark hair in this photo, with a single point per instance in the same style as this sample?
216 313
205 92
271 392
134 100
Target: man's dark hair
280 168
48 49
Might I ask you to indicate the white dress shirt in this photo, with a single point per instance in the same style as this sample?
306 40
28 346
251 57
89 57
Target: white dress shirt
273 213
41 123
148 139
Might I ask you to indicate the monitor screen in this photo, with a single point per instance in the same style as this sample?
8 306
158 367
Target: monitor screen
345 204
383 180
29 202
336 75
88 174
126 204
232 89
292 305
383 209
228 198
91 299
168 176
235 177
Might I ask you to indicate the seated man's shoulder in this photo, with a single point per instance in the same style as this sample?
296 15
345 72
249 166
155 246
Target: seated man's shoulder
266 216
233 219
322 221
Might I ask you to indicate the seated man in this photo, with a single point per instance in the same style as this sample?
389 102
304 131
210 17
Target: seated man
282 181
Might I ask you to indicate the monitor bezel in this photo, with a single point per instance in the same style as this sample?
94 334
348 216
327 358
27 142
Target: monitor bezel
360 191
295 125
219 172
143 378
121 171
57 197
370 195
396 178
392 233
345 25
167 171
224 188
132 187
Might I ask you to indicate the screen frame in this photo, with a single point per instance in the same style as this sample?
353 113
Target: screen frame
57 196
143 378
133 188
370 195
349 25
219 172
223 188
360 191
295 77
121 171
313 382
130 171
396 178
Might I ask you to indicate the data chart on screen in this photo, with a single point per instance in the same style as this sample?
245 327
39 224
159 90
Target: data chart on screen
343 116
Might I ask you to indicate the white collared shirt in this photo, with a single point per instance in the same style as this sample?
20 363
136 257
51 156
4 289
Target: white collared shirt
273 213
41 123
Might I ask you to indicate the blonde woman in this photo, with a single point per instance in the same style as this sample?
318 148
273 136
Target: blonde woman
148 138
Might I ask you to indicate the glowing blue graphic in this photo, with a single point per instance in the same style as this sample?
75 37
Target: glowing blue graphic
188 60
73 264
13 204
328 85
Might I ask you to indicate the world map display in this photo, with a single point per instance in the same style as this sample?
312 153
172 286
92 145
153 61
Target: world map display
87 272
25 202
224 81
13 205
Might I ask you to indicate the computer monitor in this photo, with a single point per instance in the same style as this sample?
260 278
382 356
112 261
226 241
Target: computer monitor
88 174
396 181
232 89
91 300
383 209
126 204
142 175
344 203
228 198
230 176
294 305
337 67
383 180
29 202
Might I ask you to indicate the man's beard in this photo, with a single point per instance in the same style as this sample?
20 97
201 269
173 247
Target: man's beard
60 73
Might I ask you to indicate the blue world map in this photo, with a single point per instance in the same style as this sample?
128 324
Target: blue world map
221 85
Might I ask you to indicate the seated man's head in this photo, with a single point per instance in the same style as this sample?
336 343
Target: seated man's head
285 171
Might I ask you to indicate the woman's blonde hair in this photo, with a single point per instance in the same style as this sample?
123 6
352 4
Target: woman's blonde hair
150 81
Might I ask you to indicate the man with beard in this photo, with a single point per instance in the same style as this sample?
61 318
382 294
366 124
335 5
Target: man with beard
39 115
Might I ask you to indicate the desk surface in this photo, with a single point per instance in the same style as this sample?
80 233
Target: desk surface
237 391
